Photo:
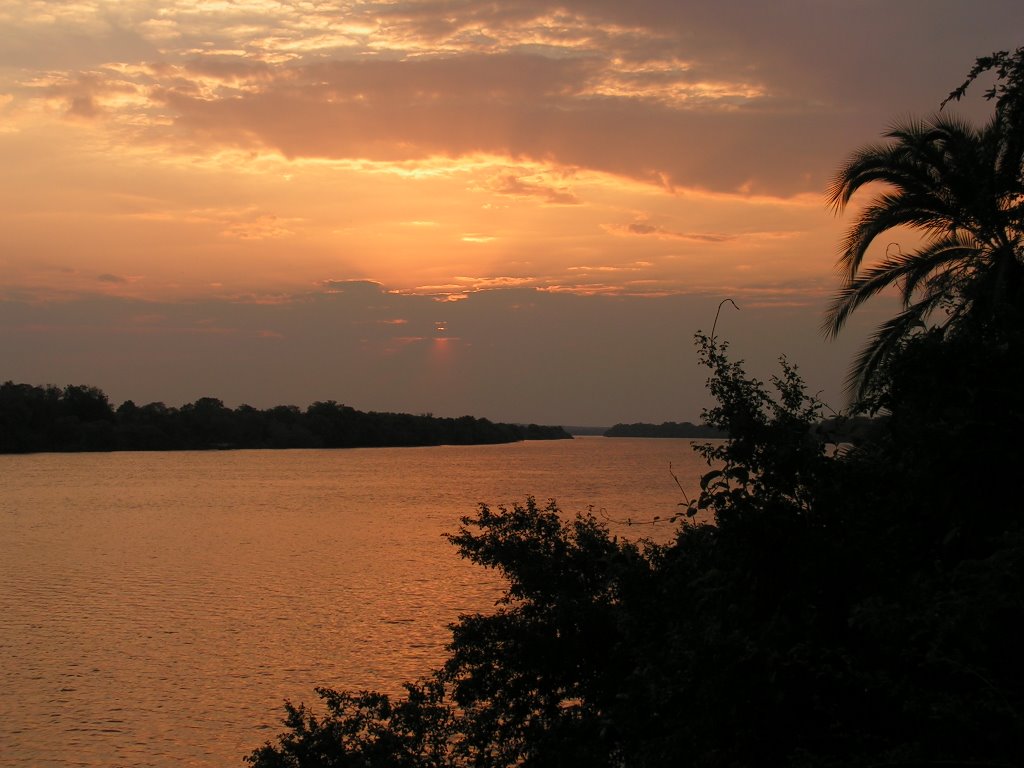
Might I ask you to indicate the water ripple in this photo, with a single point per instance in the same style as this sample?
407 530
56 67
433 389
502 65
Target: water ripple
158 608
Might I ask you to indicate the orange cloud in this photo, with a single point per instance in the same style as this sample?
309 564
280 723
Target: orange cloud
512 105
509 184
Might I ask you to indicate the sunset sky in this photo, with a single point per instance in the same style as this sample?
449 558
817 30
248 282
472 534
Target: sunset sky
517 210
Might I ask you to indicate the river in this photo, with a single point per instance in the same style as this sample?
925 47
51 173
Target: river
157 608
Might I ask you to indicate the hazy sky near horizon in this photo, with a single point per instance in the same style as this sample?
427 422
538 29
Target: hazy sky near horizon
517 210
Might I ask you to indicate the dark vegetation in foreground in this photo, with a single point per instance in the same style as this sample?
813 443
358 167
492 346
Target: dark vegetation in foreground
853 610
843 609
80 418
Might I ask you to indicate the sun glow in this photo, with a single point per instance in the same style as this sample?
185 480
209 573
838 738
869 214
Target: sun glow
415 203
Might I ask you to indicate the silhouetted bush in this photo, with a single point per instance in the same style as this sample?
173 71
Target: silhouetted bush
842 610
845 608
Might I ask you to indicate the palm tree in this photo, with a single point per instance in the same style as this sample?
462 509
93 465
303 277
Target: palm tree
961 188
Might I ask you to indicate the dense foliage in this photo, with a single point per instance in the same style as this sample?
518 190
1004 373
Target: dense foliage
961 188
845 605
79 418
846 609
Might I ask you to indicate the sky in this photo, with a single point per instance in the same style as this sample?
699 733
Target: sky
515 210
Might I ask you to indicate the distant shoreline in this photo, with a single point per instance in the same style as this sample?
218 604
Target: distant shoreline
76 419
665 429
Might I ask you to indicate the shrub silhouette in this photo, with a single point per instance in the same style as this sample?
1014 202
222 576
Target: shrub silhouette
840 611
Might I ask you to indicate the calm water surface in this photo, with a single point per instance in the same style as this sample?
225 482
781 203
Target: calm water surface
156 608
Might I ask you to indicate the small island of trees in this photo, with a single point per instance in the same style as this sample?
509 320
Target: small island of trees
665 429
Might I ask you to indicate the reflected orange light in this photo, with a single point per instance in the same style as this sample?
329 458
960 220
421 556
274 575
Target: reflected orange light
442 351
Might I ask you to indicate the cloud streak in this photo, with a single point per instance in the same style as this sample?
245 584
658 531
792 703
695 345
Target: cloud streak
730 99
271 187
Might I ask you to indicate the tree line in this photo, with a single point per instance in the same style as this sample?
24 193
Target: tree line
665 429
844 609
81 418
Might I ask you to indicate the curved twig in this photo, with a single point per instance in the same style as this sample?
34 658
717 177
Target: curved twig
717 313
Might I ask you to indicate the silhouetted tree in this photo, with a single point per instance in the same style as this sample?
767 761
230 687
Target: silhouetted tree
28 417
960 187
87 404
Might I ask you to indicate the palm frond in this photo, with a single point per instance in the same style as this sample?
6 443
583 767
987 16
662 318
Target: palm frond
889 211
883 343
960 186
907 269
936 255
